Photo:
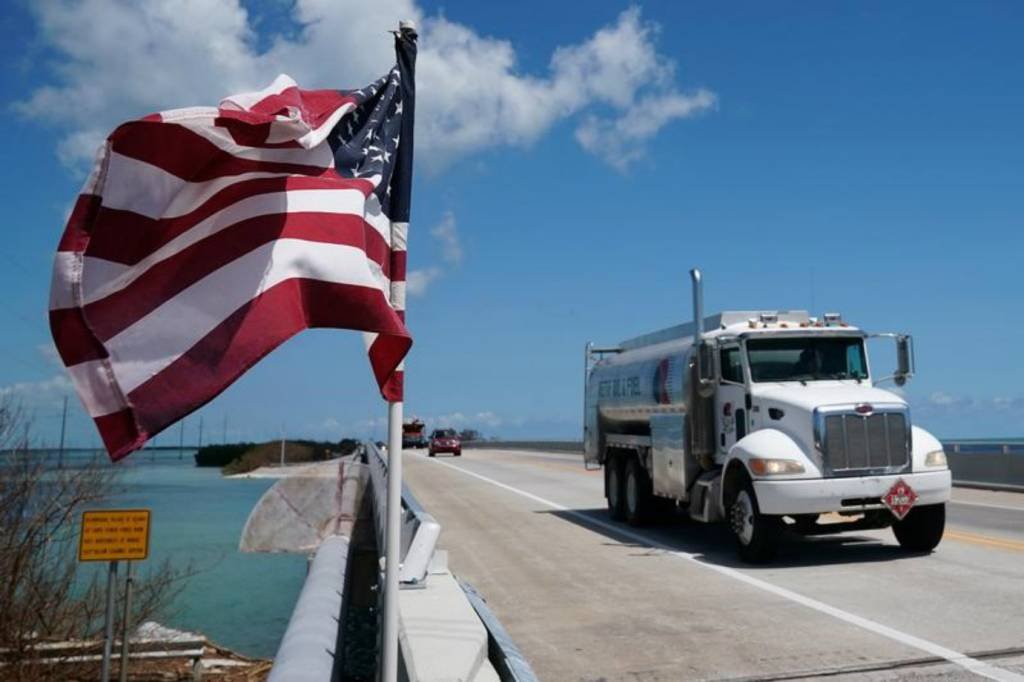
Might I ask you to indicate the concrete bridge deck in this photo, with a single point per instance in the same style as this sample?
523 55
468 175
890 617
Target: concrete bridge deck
588 599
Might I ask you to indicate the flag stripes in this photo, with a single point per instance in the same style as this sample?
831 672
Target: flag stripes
208 236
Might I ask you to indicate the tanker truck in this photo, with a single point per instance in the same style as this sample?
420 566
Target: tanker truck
771 421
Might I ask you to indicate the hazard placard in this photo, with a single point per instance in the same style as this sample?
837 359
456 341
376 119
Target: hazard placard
114 535
900 499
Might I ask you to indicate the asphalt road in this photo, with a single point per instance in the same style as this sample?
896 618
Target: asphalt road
592 600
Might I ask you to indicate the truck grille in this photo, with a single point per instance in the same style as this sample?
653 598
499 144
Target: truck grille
855 444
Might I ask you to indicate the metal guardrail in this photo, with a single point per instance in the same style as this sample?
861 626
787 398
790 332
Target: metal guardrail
984 447
986 464
997 465
541 445
419 529
508 661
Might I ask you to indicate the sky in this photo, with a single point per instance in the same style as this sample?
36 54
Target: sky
574 160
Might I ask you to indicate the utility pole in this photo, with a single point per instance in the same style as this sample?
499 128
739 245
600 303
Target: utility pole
181 440
63 425
282 444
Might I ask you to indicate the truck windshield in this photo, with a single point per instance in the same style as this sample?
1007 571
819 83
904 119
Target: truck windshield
806 358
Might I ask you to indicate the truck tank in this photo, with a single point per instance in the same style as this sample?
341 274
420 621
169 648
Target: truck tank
640 379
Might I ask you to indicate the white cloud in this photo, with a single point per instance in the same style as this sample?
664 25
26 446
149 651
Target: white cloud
622 141
32 391
417 281
1007 403
446 233
122 60
49 353
944 403
460 420
942 399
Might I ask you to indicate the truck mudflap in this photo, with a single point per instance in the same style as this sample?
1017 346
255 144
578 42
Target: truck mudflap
821 495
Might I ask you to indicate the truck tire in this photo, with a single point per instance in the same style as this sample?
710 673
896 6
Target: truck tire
921 529
757 535
638 496
614 487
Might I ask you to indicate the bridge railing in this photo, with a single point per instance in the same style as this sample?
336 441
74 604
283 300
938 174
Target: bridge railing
986 464
419 529
306 650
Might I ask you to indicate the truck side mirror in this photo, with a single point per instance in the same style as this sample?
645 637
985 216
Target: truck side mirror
904 359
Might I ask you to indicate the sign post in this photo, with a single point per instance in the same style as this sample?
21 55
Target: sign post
125 621
108 623
115 535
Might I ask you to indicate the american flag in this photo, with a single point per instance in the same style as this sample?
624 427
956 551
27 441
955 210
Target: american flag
205 237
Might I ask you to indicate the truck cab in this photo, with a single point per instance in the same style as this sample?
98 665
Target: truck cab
768 420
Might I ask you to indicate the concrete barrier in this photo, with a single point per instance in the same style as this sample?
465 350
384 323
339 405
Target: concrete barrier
441 636
533 445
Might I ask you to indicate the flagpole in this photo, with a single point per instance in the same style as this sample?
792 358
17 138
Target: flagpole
405 49
392 553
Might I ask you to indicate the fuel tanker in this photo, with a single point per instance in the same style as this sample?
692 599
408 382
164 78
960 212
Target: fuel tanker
767 420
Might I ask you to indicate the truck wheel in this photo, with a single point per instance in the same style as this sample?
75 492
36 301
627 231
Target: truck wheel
921 529
639 499
757 535
613 487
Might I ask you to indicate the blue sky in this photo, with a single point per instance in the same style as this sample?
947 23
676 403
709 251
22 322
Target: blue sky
574 162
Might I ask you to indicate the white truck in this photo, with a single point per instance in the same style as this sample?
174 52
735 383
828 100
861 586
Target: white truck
768 420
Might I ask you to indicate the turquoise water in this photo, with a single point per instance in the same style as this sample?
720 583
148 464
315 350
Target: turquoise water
242 601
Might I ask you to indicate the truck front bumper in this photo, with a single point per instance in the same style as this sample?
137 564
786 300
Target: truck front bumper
821 495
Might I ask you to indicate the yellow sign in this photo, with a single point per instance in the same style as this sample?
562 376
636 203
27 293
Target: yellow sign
114 535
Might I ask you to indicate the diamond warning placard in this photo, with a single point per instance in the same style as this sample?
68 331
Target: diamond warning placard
114 535
900 498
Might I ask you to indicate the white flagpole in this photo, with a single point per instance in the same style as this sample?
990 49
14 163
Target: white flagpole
392 552
392 555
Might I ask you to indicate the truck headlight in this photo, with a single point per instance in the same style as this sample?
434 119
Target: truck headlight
761 466
935 458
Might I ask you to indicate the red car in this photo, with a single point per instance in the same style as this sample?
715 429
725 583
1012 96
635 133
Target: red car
445 440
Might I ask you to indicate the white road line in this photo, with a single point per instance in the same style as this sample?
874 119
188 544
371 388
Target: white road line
988 505
963 660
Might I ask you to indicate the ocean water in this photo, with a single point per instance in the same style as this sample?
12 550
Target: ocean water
241 601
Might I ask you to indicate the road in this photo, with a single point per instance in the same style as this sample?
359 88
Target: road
592 600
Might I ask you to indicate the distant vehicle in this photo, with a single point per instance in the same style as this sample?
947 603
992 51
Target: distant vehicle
767 421
445 440
413 434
